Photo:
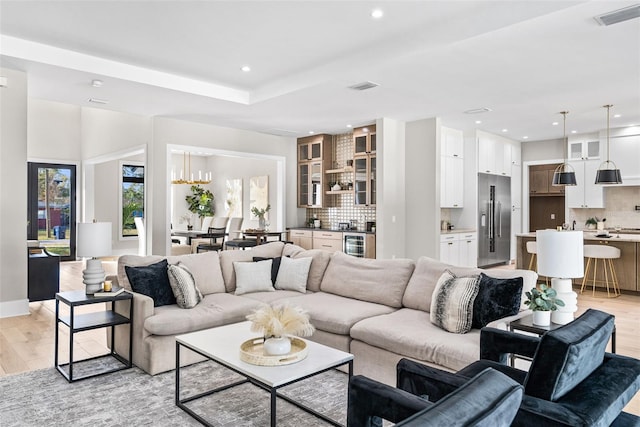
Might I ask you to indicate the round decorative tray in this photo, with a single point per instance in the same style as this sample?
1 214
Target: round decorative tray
251 351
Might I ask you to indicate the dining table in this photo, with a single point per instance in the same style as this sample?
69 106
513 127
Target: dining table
189 234
261 235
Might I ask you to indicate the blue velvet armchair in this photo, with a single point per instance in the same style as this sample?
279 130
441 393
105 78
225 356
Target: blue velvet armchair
489 399
572 381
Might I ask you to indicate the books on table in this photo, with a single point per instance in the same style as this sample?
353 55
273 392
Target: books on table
115 291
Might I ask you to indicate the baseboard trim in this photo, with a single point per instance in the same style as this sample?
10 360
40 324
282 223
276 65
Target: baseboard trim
14 308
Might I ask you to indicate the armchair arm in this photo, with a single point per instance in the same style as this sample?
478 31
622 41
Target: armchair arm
430 383
496 344
142 309
370 400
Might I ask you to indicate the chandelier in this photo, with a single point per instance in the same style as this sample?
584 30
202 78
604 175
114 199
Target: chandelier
186 176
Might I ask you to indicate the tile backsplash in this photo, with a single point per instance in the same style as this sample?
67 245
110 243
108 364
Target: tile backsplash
344 209
620 203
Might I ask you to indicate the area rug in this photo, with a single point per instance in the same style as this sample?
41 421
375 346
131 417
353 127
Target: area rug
134 398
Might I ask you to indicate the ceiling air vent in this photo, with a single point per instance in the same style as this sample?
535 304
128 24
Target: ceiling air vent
478 110
364 85
621 15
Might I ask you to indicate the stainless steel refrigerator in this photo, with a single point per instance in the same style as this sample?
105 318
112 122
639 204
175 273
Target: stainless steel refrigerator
494 219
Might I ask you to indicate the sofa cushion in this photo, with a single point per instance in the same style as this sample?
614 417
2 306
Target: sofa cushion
380 281
293 274
336 314
253 277
152 281
183 286
497 298
205 268
227 258
214 310
423 282
319 262
270 296
409 333
452 302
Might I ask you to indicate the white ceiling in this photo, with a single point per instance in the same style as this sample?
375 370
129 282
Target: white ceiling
525 60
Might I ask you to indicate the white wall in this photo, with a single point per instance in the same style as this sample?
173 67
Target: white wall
104 132
13 194
391 181
422 161
543 150
53 131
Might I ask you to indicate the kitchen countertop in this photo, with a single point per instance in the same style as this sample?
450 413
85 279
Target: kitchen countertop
591 235
458 230
331 229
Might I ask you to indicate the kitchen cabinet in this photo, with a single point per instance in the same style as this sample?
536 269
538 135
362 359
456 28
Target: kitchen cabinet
540 181
364 140
311 170
302 238
451 168
459 249
585 194
364 167
327 240
584 149
494 155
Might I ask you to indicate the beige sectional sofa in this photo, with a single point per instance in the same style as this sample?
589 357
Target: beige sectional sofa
376 309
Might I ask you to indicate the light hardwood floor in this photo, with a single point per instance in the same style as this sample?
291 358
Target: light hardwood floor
27 342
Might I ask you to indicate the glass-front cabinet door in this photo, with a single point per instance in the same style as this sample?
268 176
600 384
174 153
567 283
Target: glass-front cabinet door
303 184
316 184
311 150
372 180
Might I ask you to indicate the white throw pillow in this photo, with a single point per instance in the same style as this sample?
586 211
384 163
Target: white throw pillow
293 274
253 277
452 302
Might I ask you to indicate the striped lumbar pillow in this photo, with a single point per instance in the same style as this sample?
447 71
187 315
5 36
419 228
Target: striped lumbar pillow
452 302
183 286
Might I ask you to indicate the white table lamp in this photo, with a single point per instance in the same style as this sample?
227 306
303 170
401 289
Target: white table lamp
561 257
94 240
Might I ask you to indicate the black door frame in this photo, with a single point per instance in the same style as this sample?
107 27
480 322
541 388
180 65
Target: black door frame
32 203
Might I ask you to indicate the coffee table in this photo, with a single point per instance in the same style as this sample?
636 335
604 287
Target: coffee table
222 345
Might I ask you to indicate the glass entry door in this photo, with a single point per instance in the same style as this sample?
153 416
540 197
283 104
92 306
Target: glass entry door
52 207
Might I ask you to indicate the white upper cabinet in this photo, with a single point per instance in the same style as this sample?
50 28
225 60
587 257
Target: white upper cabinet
451 168
584 148
486 154
495 154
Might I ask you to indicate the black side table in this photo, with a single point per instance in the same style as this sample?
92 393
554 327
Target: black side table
526 324
86 322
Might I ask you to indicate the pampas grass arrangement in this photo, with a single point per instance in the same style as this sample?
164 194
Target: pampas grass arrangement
278 321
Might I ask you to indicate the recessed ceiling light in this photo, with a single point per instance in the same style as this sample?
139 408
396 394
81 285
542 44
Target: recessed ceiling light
349 126
311 132
574 131
525 137
478 122
555 123
505 130
98 101
617 115
246 68
96 83
377 13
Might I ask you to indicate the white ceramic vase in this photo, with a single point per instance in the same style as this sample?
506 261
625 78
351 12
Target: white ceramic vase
277 346
541 318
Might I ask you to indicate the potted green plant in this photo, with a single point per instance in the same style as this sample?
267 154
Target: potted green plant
260 213
200 201
542 301
594 222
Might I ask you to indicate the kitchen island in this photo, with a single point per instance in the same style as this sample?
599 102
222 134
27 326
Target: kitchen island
627 267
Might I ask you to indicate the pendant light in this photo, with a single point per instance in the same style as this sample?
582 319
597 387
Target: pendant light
186 176
564 174
608 172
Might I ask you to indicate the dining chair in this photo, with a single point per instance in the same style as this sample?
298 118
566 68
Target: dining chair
213 235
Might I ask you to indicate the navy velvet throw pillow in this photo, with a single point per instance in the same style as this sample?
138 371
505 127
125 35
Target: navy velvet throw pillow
275 266
497 298
152 281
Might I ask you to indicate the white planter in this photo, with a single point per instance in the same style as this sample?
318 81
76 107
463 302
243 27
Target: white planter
277 346
600 225
542 318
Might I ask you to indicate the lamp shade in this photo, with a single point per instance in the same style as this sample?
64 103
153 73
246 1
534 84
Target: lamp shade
94 239
560 253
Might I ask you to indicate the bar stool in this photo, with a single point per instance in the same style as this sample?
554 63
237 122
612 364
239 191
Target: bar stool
607 254
532 248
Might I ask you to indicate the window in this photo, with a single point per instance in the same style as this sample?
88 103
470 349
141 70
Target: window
132 192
